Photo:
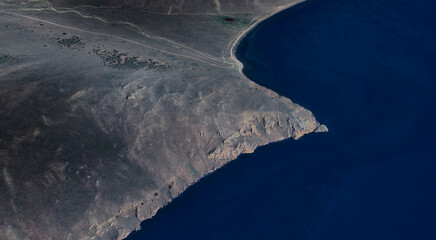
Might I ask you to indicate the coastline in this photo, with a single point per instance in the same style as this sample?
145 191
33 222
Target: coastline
239 65
243 33
326 175
227 134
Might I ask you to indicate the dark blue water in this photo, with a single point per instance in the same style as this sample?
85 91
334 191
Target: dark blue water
367 69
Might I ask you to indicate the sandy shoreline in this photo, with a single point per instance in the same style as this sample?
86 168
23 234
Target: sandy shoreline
242 34
239 37
235 43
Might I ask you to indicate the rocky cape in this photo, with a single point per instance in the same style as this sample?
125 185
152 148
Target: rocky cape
110 109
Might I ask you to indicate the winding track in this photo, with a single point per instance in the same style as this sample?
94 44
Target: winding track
188 52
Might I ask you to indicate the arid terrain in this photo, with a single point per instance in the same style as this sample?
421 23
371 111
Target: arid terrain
110 109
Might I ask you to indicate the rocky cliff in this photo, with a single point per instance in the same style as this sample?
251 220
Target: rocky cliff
109 110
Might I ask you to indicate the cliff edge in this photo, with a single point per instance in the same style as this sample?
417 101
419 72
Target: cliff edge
110 109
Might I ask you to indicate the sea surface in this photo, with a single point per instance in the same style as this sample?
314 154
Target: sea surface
366 69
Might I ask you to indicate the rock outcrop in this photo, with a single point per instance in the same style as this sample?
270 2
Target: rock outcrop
107 114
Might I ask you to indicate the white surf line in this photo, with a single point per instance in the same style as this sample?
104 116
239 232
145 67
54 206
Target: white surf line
179 46
255 22
112 36
229 46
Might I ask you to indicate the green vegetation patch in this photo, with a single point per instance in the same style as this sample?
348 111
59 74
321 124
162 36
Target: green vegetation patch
231 21
120 60
8 59
70 42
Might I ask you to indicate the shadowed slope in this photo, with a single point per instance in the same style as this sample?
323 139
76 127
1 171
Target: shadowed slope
107 117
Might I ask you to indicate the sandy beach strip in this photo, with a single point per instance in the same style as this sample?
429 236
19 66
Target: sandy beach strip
243 33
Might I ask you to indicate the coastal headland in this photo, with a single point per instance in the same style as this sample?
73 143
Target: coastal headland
111 109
